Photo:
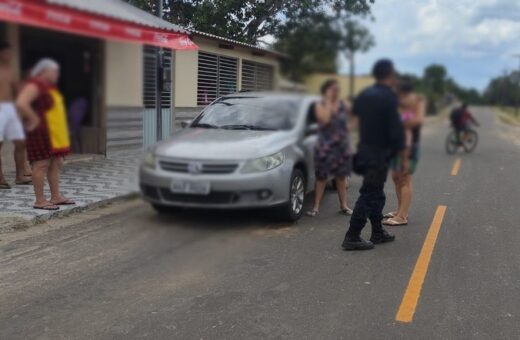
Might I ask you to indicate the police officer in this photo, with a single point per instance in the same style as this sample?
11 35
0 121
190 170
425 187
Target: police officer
381 137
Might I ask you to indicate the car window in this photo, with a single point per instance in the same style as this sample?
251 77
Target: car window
250 113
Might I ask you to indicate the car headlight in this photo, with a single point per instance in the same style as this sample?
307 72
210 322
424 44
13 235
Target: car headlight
149 160
264 163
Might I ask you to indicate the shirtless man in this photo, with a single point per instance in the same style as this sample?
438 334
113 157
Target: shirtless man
10 125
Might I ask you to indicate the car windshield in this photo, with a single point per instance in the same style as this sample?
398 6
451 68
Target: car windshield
249 113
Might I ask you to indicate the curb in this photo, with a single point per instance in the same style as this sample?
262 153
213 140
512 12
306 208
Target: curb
21 225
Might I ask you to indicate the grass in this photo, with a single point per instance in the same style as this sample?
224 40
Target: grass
508 115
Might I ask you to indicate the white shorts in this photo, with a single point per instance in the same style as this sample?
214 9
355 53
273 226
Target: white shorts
10 125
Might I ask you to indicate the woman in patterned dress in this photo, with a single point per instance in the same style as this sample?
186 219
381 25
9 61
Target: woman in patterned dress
332 152
41 107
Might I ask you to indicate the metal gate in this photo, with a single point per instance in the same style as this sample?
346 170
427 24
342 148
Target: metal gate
151 81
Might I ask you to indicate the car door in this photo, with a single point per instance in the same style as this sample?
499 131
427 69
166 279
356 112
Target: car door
309 141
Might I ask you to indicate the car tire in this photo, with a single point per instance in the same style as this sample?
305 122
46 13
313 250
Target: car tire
293 210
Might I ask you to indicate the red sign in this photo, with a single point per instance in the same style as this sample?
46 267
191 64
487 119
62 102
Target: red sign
76 22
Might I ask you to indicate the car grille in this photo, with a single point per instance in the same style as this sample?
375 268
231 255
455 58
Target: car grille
150 192
215 197
207 168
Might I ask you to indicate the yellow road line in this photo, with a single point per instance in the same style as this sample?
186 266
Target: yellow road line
456 167
413 291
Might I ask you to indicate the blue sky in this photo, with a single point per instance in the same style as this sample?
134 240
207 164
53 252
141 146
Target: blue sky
474 39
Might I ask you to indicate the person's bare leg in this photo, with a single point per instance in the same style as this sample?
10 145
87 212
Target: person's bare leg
39 170
27 167
341 188
2 178
20 161
406 198
53 175
398 189
318 194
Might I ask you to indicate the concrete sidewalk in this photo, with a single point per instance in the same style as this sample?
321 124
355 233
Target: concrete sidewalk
90 181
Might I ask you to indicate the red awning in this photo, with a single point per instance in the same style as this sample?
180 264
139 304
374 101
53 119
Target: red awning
53 17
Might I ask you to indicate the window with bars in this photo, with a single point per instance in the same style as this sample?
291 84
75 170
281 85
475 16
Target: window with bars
217 76
257 76
150 77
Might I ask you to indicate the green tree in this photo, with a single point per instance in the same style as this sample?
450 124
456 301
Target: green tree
357 39
312 46
250 20
467 95
434 78
441 89
504 90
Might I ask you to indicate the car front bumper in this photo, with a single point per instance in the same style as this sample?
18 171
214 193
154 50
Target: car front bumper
227 191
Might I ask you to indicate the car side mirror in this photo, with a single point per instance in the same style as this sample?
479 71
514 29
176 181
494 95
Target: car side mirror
185 123
312 129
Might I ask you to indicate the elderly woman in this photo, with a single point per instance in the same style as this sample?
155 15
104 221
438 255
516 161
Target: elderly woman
41 107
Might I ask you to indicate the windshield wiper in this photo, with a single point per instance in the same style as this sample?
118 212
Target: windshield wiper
205 126
245 127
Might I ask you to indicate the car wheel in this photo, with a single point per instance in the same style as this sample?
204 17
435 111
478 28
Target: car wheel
293 210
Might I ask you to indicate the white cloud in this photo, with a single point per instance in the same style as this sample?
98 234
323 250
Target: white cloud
441 25
458 33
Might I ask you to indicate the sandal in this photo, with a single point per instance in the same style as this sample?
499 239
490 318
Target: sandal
5 186
312 213
390 214
395 222
26 182
48 206
346 212
65 201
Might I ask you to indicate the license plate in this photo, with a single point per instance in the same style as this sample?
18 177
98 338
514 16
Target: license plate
190 187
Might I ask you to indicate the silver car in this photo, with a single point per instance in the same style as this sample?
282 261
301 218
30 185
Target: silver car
245 150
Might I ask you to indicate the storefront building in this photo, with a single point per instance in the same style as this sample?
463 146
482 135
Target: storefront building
107 50
220 67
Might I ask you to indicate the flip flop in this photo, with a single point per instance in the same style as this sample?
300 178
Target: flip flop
47 207
390 215
27 182
5 186
346 212
65 202
312 213
392 222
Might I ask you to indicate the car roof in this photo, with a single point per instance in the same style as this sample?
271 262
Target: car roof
272 95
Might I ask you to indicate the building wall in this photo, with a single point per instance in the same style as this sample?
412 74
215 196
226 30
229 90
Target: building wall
187 64
314 82
185 86
123 74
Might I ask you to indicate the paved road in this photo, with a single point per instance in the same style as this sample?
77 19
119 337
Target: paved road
126 273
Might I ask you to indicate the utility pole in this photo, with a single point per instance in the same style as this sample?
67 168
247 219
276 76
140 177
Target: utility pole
159 77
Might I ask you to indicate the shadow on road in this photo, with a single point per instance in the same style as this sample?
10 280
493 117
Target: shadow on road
213 219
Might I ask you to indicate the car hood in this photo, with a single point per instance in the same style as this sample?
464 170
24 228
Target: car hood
209 144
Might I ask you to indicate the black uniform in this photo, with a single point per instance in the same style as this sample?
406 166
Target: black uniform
381 137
